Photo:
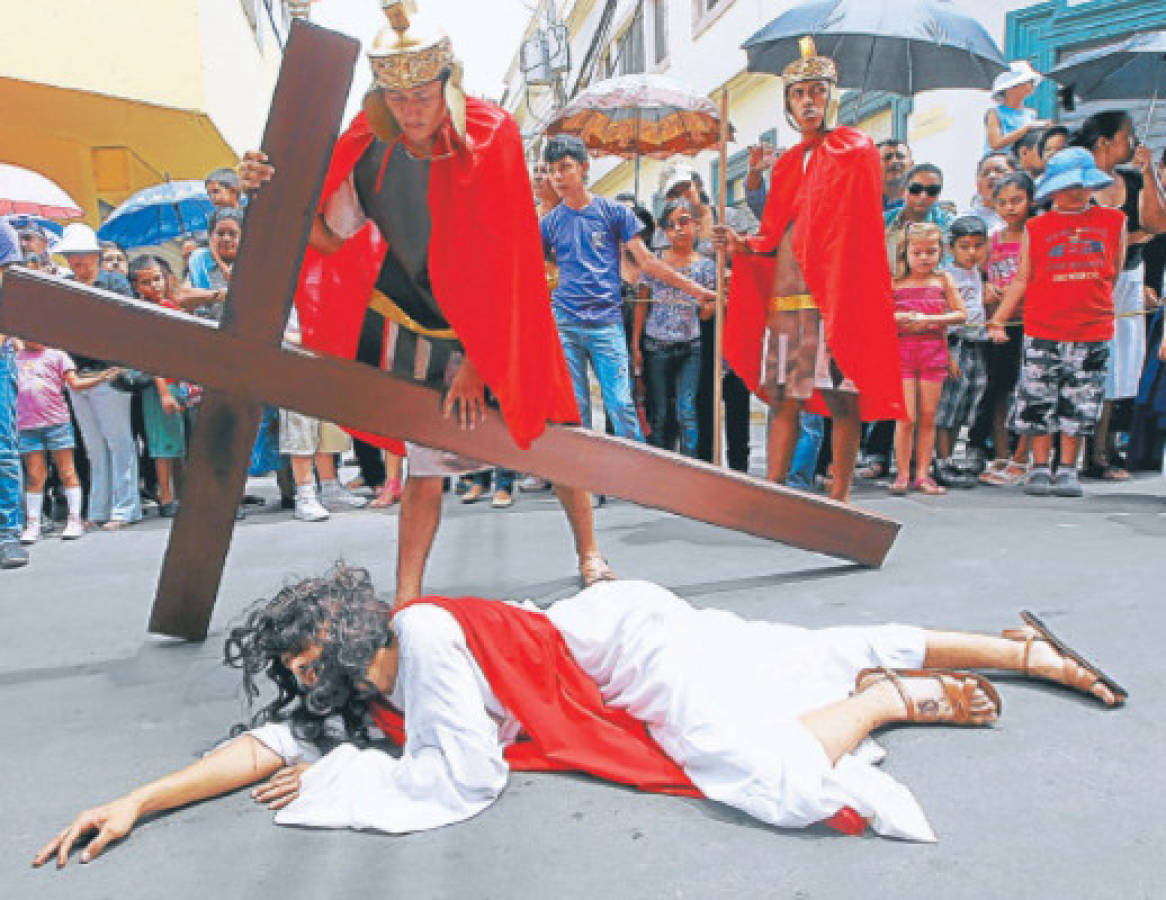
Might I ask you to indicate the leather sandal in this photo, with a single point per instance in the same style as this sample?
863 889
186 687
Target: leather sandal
1084 675
959 690
593 569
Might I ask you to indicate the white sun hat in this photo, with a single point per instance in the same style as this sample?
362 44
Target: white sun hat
77 238
1019 72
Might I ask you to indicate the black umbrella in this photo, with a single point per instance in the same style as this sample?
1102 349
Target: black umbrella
1130 69
902 46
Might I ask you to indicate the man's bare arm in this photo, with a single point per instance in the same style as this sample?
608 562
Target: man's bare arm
255 171
240 762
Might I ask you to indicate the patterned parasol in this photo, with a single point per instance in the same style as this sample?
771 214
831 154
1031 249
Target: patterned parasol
640 115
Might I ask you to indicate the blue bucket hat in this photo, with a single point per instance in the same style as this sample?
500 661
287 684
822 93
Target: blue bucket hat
1070 168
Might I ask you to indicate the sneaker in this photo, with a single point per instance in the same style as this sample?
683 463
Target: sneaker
333 494
532 484
12 555
948 475
1066 484
31 533
309 509
168 510
74 528
474 493
1039 483
974 461
502 499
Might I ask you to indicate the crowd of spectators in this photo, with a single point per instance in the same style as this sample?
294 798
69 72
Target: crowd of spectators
994 360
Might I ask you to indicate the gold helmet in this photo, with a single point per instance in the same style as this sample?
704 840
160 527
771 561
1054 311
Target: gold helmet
810 66
409 52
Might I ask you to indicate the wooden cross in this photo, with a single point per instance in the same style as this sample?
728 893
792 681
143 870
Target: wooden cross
241 364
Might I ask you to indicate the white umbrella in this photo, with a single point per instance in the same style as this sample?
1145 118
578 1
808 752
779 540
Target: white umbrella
25 192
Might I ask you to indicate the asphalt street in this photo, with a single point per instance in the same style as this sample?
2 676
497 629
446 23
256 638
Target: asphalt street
1061 799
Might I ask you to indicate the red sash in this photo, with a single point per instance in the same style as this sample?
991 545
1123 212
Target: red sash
566 725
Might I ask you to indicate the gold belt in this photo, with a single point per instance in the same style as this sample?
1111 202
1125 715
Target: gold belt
382 304
792 303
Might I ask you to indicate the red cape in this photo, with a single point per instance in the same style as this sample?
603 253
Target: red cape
835 204
485 264
569 728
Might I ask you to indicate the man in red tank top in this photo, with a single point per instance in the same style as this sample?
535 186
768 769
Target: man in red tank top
1069 261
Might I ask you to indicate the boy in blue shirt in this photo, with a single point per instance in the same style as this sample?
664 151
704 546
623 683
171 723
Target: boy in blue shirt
583 235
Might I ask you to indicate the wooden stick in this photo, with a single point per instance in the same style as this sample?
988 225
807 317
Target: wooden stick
719 315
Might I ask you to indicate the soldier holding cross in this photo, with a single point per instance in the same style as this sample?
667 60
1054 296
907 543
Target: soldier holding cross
425 214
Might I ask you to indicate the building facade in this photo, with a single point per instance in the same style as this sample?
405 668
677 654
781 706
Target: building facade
699 43
108 98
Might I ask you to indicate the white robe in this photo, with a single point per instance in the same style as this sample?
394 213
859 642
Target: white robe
721 696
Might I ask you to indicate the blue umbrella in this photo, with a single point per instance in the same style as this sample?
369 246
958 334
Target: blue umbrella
901 46
158 213
54 229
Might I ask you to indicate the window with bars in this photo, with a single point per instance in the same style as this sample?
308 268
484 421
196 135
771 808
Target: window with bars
627 51
659 30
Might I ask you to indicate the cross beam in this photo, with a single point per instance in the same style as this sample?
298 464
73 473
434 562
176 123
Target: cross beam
105 325
242 365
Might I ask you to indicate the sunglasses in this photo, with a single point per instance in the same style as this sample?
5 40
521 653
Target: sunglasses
678 222
113 259
931 190
887 157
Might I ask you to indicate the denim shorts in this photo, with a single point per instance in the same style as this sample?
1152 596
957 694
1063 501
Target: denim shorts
47 439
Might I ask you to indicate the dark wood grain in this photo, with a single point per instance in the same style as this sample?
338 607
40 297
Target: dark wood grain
362 397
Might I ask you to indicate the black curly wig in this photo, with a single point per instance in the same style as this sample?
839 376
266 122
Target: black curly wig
340 612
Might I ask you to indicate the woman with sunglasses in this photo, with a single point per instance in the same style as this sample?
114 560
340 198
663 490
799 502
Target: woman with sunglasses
924 185
666 333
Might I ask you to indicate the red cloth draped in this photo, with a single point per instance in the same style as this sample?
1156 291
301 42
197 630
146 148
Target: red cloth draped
835 205
485 265
570 729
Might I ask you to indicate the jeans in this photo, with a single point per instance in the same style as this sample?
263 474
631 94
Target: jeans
607 349
11 501
104 416
503 479
805 461
673 367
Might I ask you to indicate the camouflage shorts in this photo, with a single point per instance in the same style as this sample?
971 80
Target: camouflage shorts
1062 385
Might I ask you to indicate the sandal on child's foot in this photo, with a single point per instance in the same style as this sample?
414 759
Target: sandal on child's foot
929 487
900 485
1012 474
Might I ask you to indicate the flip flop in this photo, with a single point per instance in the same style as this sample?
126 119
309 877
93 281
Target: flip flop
1069 653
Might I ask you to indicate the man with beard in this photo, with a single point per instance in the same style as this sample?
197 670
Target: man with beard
810 317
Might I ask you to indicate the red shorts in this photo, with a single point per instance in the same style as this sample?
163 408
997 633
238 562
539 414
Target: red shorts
923 358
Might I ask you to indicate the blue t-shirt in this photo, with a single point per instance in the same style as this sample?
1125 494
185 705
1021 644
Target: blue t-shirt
1010 120
585 245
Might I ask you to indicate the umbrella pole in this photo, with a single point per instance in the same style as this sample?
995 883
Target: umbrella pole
719 316
637 185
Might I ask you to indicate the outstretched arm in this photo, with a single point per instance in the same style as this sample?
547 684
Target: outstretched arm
665 273
240 762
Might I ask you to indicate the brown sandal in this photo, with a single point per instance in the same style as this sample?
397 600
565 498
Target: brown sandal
593 569
1086 674
959 689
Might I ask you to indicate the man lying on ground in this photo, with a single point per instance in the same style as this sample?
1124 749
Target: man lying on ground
624 681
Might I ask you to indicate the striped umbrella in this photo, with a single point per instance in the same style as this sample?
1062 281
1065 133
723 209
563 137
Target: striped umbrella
23 191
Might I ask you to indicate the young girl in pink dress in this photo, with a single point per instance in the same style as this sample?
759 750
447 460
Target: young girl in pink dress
926 303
